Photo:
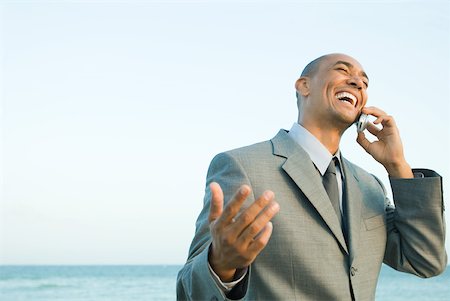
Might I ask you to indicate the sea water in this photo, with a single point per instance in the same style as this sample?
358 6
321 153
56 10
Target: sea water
157 282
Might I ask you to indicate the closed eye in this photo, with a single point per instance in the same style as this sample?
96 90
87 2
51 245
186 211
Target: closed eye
346 66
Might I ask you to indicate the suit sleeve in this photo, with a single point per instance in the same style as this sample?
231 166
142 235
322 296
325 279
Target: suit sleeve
416 226
195 281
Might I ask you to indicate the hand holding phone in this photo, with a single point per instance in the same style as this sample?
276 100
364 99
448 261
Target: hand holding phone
387 148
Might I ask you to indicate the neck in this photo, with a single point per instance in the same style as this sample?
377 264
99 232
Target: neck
330 137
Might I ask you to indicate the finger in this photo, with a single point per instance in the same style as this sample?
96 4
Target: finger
383 119
248 216
371 128
389 121
261 240
378 120
374 111
255 228
216 203
362 140
386 121
234 205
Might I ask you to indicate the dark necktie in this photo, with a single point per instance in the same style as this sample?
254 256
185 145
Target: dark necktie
331 186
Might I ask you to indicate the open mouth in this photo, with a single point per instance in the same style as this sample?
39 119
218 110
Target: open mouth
348 97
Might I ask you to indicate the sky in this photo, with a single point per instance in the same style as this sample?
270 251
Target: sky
111 111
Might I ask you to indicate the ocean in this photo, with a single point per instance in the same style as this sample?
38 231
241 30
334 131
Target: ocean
157 282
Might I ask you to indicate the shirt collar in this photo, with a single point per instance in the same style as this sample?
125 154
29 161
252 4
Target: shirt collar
318 153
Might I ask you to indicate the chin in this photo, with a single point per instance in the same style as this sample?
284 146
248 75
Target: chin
346 121
348 118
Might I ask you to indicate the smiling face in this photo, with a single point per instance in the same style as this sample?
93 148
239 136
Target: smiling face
333 93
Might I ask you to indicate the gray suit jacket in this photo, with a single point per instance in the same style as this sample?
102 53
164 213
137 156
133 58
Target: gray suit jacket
307 257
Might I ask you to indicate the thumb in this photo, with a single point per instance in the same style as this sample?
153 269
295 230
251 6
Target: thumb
362 140
216 202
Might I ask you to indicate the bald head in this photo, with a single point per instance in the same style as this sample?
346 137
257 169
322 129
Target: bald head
314 65
311 68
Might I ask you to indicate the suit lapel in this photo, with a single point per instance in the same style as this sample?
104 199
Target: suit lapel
302 171
353 214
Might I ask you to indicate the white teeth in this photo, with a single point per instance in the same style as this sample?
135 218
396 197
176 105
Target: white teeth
348 95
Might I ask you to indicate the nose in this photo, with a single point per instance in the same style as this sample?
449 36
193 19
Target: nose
356 81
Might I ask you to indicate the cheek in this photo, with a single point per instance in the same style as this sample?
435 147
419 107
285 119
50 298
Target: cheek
365 98
328 90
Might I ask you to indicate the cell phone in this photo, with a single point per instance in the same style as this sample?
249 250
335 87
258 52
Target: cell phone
362 122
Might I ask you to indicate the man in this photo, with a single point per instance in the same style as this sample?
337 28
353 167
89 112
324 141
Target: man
330 228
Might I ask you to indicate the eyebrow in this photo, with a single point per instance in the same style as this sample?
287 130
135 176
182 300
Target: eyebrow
350 66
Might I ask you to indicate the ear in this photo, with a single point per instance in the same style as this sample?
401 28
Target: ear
302 86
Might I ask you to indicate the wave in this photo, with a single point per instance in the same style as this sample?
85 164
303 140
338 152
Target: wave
26 284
